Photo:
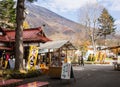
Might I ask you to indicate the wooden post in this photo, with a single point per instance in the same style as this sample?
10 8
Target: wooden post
49 57
66 53
59 57
117 52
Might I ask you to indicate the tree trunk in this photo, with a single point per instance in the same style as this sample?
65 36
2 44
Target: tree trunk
93 44
19 52
93 37
105 43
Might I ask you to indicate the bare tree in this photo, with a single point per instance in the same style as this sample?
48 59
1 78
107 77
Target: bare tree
88 16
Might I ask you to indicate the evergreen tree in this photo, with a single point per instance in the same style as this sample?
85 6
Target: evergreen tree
106 24
7 13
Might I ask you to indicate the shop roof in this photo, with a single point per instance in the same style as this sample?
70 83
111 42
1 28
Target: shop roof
32 34
58 44
113 47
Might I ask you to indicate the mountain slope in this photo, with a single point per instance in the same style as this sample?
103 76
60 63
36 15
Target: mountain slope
55 24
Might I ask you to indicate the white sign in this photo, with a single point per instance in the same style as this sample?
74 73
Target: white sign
66 71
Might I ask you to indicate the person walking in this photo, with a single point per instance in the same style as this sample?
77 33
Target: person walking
81 60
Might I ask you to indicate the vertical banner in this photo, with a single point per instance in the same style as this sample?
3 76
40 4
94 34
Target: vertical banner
6 64
32 58
66 71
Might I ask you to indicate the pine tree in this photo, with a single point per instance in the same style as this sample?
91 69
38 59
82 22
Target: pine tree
106 24
7 14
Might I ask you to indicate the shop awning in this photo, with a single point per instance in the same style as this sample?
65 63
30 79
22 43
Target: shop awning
114 47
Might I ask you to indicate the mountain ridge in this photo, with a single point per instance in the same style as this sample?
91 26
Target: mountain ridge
55 24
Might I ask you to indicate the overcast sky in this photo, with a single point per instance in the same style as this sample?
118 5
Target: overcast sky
69 8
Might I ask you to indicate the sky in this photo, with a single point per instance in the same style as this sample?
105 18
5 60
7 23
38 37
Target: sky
69 8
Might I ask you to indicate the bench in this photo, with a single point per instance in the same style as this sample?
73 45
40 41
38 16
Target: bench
35 84
8 82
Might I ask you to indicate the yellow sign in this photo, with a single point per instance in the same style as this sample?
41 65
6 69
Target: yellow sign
32 59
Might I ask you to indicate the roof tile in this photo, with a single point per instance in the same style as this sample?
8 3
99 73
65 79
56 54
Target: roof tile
33 34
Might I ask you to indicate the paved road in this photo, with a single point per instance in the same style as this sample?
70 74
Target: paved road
90 76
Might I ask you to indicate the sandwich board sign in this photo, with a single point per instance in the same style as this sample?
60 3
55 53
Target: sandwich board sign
67 71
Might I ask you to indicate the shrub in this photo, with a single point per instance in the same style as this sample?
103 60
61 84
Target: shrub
91 57
19 75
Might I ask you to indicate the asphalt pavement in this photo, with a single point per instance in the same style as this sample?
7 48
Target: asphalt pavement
90 76
85 76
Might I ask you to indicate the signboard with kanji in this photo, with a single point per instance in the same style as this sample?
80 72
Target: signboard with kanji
66 71
32 59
